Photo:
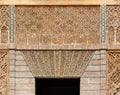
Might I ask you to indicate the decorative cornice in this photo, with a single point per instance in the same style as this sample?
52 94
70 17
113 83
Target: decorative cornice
60 47
60 2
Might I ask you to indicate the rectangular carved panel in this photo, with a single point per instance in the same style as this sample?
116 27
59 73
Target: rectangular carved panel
4 24
4 72
113 24
113 73
57 25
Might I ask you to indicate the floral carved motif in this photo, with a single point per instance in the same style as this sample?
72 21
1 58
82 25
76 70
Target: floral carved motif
36 25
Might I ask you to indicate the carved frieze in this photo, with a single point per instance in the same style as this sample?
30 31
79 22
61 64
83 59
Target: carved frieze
57 25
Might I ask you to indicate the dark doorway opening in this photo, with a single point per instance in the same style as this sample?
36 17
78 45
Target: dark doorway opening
55 86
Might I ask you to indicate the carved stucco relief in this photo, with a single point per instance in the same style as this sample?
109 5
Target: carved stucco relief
113 24
56 25
113 72
4 72
4 24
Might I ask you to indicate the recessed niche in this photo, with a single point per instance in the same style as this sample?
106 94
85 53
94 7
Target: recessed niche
54 86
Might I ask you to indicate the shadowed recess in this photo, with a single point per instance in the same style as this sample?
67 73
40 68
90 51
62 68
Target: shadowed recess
57 86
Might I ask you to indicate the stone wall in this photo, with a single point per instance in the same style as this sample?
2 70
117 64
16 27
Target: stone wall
22 81
93 80
26 28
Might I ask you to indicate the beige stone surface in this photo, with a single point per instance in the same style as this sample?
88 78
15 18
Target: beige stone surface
59 2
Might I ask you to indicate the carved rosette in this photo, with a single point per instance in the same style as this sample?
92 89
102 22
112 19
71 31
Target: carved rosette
4 72
113 72
56 25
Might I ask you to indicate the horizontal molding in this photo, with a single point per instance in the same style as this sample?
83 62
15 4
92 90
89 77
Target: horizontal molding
93 77
17 65
94 90
95 71
21 65
21 77
20 71
19 60
98 59
60 47
100 53
59 2
12 53
92 64
17 54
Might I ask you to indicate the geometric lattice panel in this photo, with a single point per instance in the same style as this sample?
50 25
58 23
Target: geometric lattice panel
57 25
4 24
58 63
4 72
113 73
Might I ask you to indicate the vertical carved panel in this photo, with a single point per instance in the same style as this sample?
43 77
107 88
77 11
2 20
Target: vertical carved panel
57 25
113 73
4 23
3 72
4 34
113 24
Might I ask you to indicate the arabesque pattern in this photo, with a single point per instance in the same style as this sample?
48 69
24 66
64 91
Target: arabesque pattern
57 25
113 24
113 73
58 63
4 72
